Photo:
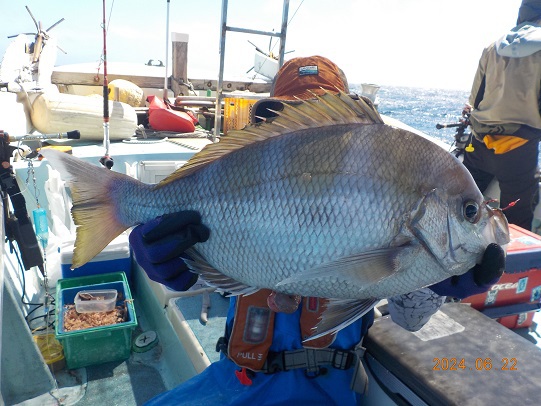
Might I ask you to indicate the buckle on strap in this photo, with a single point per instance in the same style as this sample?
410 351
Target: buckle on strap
343 359
309 359
274 363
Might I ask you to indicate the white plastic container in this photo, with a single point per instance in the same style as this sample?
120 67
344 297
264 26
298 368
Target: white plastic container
90 301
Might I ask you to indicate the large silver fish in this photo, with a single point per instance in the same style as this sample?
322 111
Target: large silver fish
327 200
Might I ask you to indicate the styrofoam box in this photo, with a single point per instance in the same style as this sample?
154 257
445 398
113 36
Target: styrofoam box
114 258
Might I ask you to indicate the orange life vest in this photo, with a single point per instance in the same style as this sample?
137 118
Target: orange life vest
253 329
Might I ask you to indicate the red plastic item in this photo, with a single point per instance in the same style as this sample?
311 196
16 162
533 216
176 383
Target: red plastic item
243 377
163 118
521 282
521 320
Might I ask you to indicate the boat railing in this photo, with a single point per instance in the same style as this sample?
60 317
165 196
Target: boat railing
224 29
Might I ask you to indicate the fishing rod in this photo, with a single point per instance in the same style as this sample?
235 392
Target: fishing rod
462 138
70 135
106 159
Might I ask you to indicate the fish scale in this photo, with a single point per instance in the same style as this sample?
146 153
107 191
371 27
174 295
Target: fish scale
337 205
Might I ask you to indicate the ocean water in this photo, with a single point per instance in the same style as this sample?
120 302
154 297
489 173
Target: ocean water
421 108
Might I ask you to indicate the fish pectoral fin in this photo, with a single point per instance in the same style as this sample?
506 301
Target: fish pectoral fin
340 313
363 269
213 277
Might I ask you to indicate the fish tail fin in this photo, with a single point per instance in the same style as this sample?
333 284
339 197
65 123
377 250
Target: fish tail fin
94 210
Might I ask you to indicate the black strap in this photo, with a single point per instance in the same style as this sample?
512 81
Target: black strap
309 359
480 93
306 358
18 226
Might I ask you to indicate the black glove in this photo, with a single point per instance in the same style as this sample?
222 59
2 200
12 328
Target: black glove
159 244
479 279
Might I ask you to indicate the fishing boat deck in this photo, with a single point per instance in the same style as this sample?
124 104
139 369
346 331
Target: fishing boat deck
130 382
188 324
27 380
186 346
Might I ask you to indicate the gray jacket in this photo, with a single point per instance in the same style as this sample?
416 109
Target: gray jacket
507 85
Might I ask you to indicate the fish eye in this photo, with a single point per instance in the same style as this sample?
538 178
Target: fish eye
471 211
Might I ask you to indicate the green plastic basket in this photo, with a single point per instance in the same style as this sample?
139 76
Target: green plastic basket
95 345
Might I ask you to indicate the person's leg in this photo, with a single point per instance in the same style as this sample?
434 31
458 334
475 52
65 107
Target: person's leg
478 164
516 174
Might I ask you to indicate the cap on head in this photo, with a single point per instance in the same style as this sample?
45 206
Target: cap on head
301 77
530 10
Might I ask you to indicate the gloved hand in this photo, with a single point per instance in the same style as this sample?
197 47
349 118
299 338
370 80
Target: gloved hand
159 244
479 279
466 109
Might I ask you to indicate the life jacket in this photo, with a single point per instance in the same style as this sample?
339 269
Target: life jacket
253 329
503 143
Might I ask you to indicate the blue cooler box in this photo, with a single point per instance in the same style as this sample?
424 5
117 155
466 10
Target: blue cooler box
114 258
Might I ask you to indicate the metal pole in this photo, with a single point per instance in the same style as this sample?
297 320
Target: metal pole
283 33
219 90
165 94
224 29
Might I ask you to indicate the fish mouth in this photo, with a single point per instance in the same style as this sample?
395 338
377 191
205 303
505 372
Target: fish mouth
497 228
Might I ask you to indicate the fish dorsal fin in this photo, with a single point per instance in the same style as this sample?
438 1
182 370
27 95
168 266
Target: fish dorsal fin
322 111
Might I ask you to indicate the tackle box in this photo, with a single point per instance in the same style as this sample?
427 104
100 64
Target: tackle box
517 295
94 345
114 258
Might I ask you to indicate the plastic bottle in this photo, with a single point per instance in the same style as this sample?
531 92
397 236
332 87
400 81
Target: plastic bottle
41 226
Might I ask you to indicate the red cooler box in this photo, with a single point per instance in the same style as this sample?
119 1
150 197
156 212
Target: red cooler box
517 295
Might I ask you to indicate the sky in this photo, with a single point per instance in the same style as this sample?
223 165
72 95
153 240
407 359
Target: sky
416 43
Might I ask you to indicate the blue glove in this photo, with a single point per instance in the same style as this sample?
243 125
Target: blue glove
479 279
159 244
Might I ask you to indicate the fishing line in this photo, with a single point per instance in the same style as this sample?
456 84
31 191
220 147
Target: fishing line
271 49
108 23
295 13
48 313
41 228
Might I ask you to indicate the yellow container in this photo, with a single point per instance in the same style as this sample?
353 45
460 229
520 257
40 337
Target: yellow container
128 92
51 350
237 113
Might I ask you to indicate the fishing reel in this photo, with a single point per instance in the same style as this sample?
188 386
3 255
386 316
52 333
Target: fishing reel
462 138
